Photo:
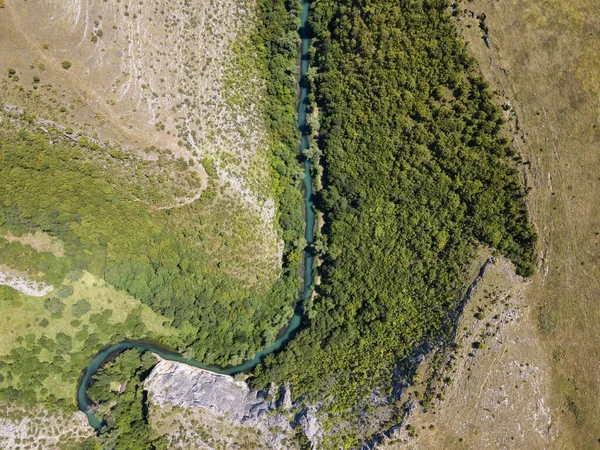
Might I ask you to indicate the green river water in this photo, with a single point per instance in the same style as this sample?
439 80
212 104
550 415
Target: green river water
292 327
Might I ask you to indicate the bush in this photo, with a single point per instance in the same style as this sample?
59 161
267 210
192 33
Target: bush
74 275
80 308
66 64
64 343
64 291
54 305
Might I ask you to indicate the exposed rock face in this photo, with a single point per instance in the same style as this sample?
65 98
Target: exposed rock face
172 383
286 402
311 427
176 384
25 286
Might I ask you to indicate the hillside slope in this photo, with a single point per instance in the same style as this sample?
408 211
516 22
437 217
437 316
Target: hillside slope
150 189
160 76
535 385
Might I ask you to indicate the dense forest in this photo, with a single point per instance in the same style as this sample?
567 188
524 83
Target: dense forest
417 172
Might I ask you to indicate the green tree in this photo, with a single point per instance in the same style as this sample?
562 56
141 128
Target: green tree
80 308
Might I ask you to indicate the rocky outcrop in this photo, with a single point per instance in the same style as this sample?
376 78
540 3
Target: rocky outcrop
286 397
176 384
311 426
173 383
25 286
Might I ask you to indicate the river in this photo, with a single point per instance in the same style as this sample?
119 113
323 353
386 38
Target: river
295 321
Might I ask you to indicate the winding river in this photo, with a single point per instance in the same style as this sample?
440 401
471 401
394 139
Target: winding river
100 358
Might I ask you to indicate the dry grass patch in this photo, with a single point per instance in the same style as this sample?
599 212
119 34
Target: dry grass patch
39 241
544 59
195 428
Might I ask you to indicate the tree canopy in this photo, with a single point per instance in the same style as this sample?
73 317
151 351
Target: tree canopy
417 173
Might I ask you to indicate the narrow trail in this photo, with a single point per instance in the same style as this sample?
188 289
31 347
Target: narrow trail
185 202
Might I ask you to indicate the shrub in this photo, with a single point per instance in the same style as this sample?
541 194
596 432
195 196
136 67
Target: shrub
54 305
80 308
66 64
64 343
65 291
74 275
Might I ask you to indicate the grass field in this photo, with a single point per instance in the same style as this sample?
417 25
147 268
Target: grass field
62 330
543 60
103 315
